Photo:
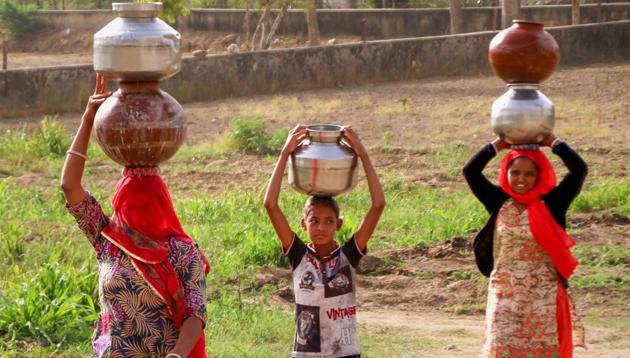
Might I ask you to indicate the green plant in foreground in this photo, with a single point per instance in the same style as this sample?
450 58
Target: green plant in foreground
50 306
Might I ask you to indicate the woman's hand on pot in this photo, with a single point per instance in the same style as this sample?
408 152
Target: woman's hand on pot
95 100
500 144
296 136
548 140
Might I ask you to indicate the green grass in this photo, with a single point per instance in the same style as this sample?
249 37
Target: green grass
606 193
48 269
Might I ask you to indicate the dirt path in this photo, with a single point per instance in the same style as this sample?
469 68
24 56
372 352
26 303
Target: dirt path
460 336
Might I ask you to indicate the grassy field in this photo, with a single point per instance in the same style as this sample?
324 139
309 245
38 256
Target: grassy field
48 302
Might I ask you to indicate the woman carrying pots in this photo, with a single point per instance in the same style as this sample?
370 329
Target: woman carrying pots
525 250
151 273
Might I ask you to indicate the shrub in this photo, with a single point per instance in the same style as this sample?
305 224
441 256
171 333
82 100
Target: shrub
51 306
18 19
250 136
48 140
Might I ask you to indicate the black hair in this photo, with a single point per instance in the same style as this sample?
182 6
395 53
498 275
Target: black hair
531 160
327 201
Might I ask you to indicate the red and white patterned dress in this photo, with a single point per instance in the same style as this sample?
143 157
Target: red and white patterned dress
521 308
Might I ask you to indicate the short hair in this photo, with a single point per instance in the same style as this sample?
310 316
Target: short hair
327 201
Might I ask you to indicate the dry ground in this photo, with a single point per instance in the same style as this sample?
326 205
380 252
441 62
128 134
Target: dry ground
427 292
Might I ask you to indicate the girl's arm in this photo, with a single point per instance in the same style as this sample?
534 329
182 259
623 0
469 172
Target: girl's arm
369 222
278 220
571 185
75 160
488 193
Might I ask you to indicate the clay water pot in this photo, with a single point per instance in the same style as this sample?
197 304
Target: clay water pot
140 125
324 165
522 115
524 53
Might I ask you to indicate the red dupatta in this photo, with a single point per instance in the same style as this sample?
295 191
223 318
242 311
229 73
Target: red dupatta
547 233
143 221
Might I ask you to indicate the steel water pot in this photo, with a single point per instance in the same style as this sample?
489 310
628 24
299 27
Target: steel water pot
523 115
137 46
324 165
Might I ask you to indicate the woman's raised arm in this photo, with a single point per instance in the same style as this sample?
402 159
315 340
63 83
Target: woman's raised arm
74 165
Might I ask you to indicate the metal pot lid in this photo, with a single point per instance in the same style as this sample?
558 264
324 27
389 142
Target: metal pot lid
137 9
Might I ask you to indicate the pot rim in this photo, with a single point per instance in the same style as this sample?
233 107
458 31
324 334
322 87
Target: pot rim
324 132
137 9
528 22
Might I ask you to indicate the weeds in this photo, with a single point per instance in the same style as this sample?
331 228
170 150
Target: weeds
605 194
250 136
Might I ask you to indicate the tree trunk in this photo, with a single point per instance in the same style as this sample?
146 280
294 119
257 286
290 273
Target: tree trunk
274 27
455 11
599 10
259 26
5 50
575 12
510 10
246 25
311 23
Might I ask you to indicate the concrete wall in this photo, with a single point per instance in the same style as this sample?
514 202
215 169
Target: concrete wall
379 23
63 89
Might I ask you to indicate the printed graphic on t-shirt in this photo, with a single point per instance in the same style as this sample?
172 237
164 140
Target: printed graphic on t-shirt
307 329
306 283
339 284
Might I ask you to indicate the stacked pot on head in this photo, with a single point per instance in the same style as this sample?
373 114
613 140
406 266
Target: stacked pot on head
523 55
139 125
324 165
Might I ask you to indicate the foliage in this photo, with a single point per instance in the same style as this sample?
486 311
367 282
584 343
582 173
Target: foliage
18 19
50 306
250 136
605 194
171 9
48 140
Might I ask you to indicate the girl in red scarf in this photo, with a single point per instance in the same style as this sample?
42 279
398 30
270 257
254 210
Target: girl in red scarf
152 275
525 250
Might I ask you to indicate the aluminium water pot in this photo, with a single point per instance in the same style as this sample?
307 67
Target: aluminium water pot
324 165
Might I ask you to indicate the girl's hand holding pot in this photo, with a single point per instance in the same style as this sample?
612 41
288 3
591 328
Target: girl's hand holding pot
296 136
351 137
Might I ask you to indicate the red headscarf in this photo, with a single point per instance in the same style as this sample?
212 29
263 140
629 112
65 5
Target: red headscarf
143 221
547 233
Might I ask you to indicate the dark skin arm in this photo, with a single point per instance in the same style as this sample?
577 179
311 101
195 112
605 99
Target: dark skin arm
369 222
73 168
280 224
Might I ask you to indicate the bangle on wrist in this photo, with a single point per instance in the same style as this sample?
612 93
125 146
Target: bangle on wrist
74 152
173 355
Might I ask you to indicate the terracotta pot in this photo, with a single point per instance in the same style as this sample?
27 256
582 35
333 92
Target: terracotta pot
140 125
524 53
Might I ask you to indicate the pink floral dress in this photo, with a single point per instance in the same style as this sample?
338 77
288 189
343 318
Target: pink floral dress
134 321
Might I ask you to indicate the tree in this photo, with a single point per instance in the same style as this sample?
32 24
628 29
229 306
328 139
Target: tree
311 23
510 10
455 11
575 12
